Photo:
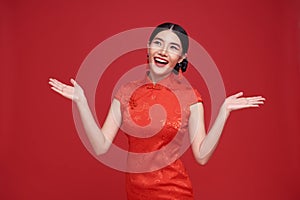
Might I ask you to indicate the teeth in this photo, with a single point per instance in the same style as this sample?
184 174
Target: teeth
160 60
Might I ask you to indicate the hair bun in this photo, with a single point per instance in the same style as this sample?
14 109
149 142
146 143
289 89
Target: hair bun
181 66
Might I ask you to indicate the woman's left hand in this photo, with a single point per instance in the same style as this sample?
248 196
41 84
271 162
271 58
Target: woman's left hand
236 102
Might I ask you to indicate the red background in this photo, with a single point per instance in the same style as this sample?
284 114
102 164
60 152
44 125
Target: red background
255 44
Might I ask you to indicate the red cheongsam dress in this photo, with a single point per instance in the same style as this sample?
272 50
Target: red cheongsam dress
155 119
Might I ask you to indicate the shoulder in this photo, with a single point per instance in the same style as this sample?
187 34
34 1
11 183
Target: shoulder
186 91
132 85
125 90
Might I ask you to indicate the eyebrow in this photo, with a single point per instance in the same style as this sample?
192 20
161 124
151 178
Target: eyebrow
173 43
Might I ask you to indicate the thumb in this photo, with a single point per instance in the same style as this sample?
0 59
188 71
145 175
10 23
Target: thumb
73 81
237 95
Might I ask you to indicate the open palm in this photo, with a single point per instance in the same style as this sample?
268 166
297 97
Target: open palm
236 102
73 92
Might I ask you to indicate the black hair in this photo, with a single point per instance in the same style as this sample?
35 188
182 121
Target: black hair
182 35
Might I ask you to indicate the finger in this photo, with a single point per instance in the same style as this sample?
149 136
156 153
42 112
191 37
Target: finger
259 102
58 86
57 83
253 100
73 81
54 84
62 93
52 79
51 83
256 98
247 106
237 95
57 90
252 106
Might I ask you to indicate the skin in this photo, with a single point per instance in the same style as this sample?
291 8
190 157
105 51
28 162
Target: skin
162 47
165 45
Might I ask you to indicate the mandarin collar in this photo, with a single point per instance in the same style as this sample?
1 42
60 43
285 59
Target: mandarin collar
166 82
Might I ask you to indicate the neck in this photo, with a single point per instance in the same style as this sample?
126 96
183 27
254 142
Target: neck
156 78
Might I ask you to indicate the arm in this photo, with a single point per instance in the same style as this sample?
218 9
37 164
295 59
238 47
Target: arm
100 139
203 145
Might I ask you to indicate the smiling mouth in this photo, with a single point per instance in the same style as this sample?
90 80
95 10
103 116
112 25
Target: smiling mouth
160 62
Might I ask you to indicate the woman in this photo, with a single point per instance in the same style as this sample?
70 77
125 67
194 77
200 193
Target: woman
166 177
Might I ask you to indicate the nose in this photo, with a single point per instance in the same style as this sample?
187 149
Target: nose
163 51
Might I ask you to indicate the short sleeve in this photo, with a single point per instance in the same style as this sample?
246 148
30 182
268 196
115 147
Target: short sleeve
119 94
198 97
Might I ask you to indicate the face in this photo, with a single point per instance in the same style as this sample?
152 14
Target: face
165 51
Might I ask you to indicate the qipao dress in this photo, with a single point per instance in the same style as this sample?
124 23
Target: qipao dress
155 120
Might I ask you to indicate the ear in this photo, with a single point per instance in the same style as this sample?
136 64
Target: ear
148 47
182 58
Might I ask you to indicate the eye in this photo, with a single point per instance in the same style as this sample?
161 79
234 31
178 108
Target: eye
174 48
157 43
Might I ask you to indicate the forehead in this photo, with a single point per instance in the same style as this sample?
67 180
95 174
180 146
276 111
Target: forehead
168 36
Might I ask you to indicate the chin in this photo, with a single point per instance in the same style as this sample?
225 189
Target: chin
161 71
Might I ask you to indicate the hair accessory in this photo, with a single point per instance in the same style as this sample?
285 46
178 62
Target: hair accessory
182 66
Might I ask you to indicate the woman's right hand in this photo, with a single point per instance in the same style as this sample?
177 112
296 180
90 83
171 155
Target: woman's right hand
74 92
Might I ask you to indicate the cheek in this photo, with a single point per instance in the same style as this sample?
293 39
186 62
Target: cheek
175 59
150 53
